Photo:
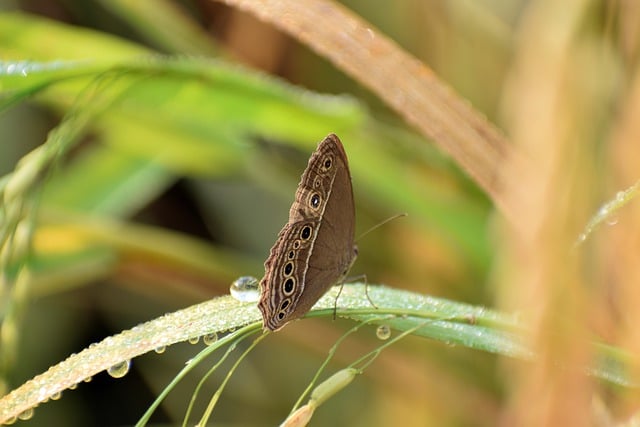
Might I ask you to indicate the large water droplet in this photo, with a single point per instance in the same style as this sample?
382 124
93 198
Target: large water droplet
245 289
383 332
119 370
210 338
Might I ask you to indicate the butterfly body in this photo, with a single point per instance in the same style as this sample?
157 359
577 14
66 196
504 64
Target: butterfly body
315 249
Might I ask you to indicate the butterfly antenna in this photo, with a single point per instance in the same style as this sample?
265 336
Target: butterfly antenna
396 216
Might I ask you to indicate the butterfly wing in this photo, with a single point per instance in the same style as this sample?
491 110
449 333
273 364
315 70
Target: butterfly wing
315 249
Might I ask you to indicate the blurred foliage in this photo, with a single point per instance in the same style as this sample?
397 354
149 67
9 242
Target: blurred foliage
187 127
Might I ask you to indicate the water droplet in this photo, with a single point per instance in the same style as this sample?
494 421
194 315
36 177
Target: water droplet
26 415
612 220
56 396
73 386
10 421
245 289
160 349
88 379
210 338
383 332
582 237
194 340
119 370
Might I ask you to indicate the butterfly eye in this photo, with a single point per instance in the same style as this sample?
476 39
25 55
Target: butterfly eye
306 232
288 268
288 286
315 200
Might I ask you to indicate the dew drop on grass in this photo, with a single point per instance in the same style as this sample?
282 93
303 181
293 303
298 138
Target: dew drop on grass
209 339
56 396
383 332
27 414
119 370
194 340
160 349
245 289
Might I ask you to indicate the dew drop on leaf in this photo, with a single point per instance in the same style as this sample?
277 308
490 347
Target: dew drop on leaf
245 289
209 339
27 414
119 370
383 332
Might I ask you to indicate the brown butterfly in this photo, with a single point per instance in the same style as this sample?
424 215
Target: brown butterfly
315 249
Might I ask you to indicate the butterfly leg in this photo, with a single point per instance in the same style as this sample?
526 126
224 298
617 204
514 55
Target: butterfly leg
335 302
366 292
362 277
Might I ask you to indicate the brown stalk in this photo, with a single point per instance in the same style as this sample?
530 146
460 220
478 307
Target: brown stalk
399 79
554 112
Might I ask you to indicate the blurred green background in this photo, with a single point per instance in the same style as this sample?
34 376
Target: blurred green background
194 123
